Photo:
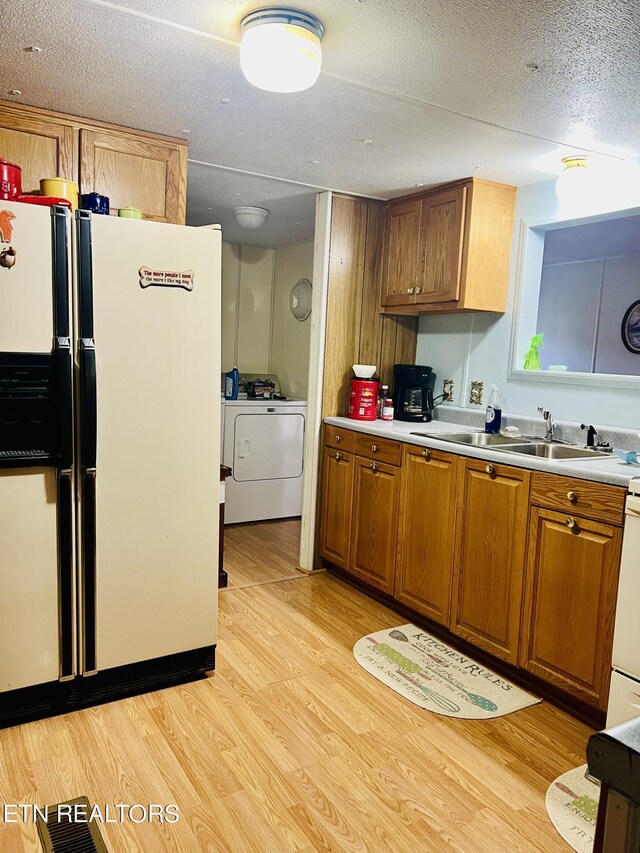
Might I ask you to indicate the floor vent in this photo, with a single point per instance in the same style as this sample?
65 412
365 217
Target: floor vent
65 836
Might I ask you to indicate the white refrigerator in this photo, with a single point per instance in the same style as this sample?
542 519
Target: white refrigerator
109 456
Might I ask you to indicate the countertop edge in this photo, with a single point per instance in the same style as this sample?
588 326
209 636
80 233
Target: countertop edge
568 468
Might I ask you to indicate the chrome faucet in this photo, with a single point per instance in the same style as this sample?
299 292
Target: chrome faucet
549 424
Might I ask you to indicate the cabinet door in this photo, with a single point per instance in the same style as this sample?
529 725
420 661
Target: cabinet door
442 235
337 492
375 523
135 171
491 538
426 537
42 147
569 605
401 261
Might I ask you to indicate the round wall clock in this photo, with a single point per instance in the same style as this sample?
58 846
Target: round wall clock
300 299
631 328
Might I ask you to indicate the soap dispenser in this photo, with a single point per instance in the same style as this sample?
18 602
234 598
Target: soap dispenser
493 417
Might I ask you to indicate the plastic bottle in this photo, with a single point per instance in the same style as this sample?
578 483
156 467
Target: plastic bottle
493 418
532 358
382 396
231 384
387 409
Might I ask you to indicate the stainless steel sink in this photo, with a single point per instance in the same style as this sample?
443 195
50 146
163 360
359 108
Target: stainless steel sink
555 451
476 439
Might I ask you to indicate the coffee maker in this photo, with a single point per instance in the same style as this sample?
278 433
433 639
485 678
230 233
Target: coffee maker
413 386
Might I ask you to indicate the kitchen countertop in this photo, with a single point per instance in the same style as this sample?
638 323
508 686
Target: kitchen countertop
610 470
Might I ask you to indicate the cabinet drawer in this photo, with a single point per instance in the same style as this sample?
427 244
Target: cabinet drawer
380 449
593 500
341 439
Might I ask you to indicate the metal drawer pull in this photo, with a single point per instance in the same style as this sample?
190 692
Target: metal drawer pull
490 470
571 523
338 456
418 290
338 438
572 497
374 448
410 290
374 466
426 453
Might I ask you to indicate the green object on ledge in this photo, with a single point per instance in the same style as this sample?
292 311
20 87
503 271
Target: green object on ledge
532 358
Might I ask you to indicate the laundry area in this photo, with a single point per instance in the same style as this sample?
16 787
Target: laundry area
266 300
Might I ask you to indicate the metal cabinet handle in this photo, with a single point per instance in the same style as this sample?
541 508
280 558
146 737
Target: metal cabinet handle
338 438
426 453
572 497
337 456
418 290
374 466
410 290
490 470
374 448
571 523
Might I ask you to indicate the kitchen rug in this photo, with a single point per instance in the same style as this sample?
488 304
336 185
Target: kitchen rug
572 806
435 676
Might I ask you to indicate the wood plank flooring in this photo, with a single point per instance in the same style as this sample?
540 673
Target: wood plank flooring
291 746
261 552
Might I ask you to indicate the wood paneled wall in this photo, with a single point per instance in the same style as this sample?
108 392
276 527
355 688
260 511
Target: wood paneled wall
356 331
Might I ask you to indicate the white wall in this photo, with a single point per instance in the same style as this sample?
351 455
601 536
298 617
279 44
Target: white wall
259 333
477 346
289 337
247 285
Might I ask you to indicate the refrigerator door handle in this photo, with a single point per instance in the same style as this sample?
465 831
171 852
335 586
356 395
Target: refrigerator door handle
88 422
66 585
89 665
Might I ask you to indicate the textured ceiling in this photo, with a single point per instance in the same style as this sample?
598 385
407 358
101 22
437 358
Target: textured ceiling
440 90
213 193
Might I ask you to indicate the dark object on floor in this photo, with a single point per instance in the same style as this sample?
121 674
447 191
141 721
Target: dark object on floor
67 836
614 759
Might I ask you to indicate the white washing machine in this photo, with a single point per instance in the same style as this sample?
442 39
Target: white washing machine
263 446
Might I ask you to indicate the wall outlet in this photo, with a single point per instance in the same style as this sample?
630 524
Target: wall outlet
475 396
447 390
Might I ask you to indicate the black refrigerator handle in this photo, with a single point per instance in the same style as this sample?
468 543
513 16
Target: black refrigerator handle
66 587
62 349
88 423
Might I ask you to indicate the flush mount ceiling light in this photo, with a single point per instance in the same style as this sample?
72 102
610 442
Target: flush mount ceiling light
250 217
280 49
572 180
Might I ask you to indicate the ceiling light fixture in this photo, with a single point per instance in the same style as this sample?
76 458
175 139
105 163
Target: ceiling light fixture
572 182
280 49
250 217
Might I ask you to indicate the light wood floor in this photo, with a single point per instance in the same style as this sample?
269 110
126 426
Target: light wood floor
261 552
291 746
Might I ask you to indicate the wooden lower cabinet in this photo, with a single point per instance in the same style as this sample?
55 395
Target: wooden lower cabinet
570 600
491 536
337 492
426 539
376 492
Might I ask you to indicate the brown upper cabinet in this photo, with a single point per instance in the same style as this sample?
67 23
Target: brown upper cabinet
449 249
135 171
132 168
43 147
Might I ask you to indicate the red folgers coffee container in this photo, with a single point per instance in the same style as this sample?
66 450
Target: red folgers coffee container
10 180
363 400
